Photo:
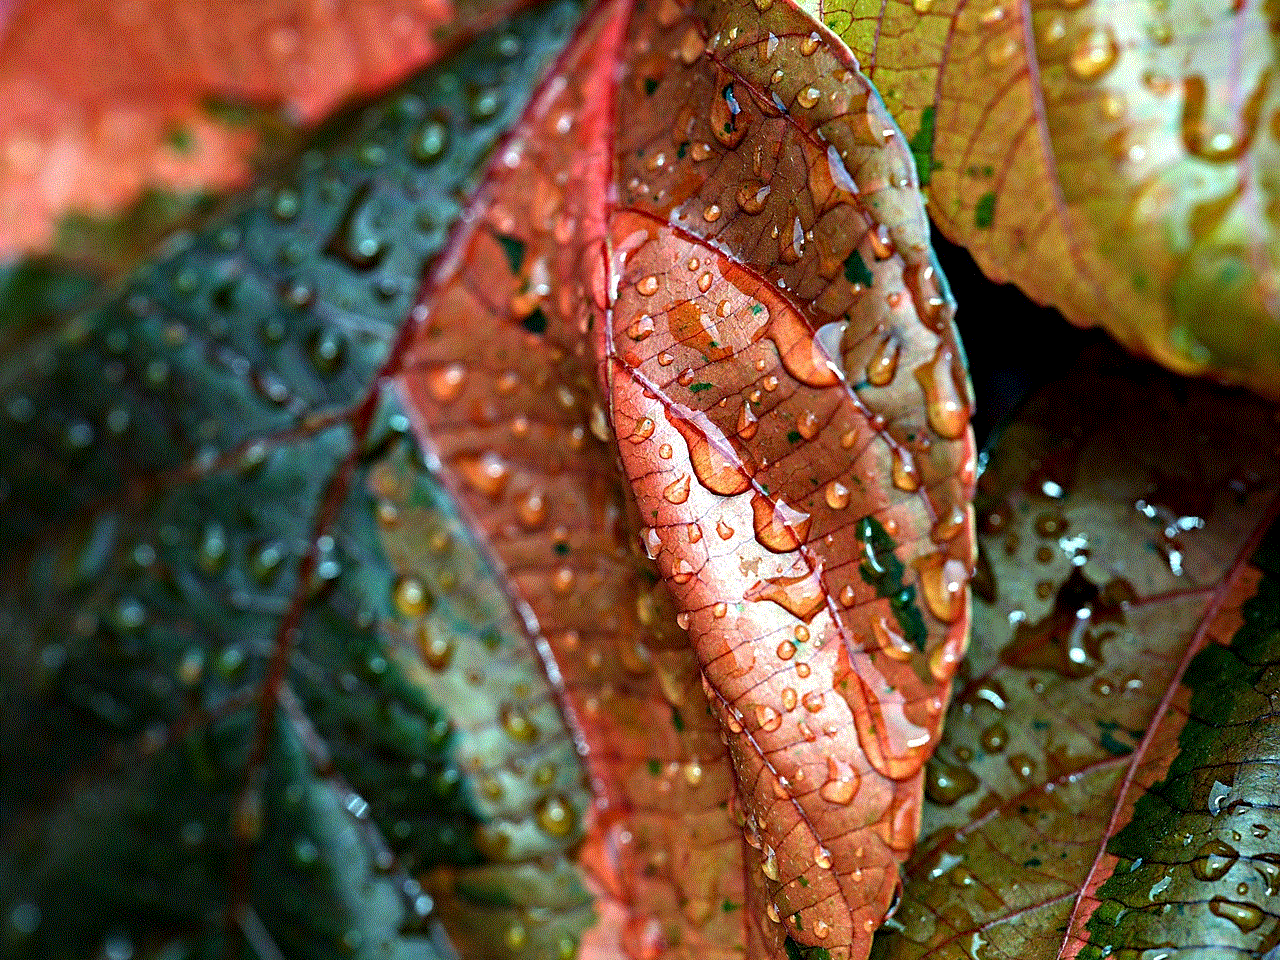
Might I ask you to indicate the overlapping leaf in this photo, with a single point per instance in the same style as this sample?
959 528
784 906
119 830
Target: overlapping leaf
232 590
101 101
1115 160
1106 784
743 290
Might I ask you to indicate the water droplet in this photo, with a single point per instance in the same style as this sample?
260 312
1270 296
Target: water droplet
437 652
946 783
808 97
518 725
487 473
1246 916
682 571
641 327
1213 860
837 495
556 817
728 124
1094 54
778 526
842 782
531 511
677 491
769 867
884 362
943 381
943 580
905 475
753 195
430 142
445 383
723 530
410 596
768 718
647 286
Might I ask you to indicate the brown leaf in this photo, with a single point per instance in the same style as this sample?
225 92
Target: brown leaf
1116 701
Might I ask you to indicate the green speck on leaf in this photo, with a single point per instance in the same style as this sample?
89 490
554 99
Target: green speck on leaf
922 146
883 570
796 951
536 322
514 249
985 211
699 387
793 436
677 721
180 139
655 767
650 85
855 269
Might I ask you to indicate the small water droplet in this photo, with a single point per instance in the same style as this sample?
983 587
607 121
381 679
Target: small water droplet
768 718
1094 53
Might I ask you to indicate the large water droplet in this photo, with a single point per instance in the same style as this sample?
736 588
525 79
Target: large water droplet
778 526
842 782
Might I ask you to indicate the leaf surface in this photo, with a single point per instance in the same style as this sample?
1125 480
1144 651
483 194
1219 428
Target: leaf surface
810 524
98 103
1115 160
263 677
1105 785
743 290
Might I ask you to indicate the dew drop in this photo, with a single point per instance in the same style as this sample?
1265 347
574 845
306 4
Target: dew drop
884 362
842 783
778 526
1093 54
837 495
808 97
1213 860
677 491
753 195
518 725
410 596
1246 916
768 718
943 580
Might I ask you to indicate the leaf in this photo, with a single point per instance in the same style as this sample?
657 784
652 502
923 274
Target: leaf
1106 782
231 586
101 102
472 460
793 532
1117 162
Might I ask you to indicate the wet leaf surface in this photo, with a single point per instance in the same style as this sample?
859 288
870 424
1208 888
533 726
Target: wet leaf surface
1115 160
100 102
262 677
1105 785
328 541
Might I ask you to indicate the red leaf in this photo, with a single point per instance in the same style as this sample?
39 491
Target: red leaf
736 253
